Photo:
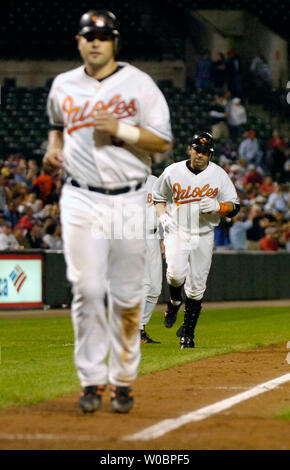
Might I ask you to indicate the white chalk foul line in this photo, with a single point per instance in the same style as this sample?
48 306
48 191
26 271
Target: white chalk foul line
48 437
167 425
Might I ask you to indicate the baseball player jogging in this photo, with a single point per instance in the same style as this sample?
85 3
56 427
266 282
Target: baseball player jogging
153 265
190 197
105 117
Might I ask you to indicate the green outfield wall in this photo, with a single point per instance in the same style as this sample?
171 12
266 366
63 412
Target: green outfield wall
233 276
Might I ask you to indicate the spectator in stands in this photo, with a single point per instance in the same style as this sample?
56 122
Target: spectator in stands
52 237
268 220
11 214
237 175
276 156
219 71
20 170
31 201
49 210
26 221
270 241
249 149
218 115
20 235
256 232
261 200
267 187
44 185
276 141
202 72
7 239
279 200
221 234
38 209
253 176
229 151
260 70
32 172
237 118
234 74
47 222
34 236
238 231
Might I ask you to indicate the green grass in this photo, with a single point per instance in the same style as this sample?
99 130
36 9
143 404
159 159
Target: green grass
217 332
284 414
37 354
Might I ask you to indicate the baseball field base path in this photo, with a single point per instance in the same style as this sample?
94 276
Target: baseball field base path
168 395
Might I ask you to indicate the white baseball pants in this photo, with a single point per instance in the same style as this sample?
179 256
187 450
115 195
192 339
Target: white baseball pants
96 264
153 279
188 258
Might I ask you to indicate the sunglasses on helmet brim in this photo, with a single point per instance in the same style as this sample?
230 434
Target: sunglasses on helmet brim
201 149
92 35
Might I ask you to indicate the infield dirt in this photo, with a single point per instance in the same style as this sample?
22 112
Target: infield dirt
59 424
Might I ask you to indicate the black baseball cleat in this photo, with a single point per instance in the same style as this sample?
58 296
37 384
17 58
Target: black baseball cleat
180 332
186 342
91 399
145 339
122 399
170 314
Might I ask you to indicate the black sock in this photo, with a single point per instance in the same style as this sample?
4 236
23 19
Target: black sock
175 292
191 315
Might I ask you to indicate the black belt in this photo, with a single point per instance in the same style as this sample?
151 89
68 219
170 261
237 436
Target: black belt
111 192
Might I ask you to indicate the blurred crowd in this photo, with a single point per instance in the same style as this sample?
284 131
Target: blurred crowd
29 199
29 209
227 72
261 175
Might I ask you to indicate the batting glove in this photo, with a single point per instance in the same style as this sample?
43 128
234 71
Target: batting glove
168 224
208 205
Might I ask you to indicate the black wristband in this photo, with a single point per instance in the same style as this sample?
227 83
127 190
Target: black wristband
234 212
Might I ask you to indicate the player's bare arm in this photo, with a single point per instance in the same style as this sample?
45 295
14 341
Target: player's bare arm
140 137
52 160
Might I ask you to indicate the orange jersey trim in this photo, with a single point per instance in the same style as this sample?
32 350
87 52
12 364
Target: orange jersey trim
188 201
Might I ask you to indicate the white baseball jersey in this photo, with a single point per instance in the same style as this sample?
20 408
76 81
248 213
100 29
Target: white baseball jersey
183 190
95 158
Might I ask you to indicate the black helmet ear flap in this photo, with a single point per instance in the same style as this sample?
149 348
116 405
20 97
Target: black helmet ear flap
117 44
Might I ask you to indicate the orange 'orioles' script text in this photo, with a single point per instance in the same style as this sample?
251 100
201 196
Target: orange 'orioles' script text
76 115
184 196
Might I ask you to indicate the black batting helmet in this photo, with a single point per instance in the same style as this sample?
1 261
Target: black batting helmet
203 142
101 21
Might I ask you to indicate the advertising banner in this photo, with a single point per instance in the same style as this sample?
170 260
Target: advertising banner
21 284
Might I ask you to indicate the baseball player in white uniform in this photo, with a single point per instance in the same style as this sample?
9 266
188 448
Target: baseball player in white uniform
105 118
190 196
153 266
